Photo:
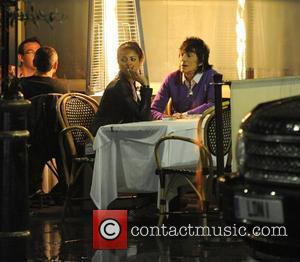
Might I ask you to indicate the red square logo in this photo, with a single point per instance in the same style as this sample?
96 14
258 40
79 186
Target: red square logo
110 229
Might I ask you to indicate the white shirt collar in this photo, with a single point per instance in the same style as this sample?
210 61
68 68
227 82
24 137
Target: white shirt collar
195 79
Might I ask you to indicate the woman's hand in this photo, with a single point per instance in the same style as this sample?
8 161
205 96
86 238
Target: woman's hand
138 77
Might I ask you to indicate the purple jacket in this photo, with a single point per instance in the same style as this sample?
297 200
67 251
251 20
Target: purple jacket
202 98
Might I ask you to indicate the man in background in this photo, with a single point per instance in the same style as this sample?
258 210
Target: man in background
42 117
26 53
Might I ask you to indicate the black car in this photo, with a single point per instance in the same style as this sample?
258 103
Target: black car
264 195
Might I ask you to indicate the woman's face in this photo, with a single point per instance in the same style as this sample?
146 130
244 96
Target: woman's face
129 59
188 63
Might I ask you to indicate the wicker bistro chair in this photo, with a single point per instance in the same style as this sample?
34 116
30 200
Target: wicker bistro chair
210 132
168 110
75 113
200 176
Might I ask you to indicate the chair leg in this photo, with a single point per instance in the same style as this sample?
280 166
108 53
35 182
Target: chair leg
162 208
71 179
67 204
208 191
162 202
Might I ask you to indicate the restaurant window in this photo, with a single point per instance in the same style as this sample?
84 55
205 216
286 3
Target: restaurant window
212 20
271 44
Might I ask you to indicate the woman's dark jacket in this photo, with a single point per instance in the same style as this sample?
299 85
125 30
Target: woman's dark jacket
118 106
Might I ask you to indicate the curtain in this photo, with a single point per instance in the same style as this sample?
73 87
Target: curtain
272 38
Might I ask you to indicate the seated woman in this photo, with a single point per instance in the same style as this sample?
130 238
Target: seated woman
120 102
189 87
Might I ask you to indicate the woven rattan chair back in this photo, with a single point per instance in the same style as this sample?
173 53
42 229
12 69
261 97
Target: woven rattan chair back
75 109
209 130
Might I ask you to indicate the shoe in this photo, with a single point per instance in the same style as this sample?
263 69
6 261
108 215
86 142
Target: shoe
39 199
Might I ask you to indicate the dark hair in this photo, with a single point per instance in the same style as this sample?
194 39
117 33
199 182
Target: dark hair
133 45
197 46
21 50
44 59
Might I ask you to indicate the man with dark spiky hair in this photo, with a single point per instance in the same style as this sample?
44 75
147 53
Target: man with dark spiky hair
189 86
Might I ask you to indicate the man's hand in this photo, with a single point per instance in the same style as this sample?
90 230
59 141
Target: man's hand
180 115
177 115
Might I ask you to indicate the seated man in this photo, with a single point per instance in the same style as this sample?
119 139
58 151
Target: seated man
42 82
42 118
26 52
189 87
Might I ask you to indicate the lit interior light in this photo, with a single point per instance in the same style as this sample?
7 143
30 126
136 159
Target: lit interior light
110 38
296 128
241 39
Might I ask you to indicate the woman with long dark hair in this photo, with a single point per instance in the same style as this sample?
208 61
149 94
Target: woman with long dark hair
122 102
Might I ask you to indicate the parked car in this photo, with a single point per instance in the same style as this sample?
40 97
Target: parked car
265 192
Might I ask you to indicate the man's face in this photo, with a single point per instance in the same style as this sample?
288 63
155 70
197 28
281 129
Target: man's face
188 62
29 51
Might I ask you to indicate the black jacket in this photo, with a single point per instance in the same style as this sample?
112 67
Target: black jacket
36 85
118 106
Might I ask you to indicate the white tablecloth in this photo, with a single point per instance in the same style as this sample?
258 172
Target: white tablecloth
125 161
